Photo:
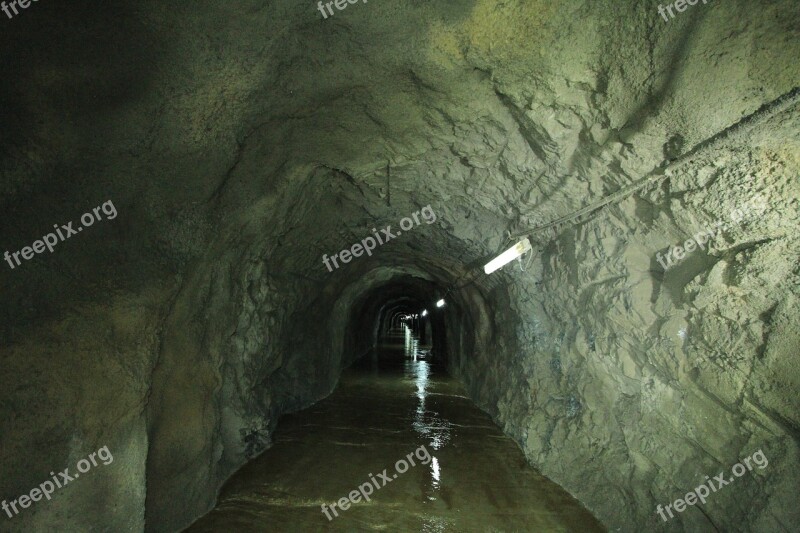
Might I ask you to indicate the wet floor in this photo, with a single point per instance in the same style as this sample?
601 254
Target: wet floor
390 410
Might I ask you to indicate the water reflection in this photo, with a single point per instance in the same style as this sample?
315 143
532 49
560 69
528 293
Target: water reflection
429 424
435 472
411 344
475 480
435 525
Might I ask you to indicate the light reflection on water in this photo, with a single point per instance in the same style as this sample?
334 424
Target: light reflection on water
432 524
426 423
435 472
384 408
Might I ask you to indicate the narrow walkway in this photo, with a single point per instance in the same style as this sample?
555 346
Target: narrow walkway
468 477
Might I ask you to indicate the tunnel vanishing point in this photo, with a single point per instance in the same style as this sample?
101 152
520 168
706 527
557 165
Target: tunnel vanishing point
180 178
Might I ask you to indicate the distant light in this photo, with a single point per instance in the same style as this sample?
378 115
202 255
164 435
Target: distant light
440 303
424 312
509 255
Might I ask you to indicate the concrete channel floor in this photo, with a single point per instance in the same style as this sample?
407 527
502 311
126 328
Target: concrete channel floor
387 406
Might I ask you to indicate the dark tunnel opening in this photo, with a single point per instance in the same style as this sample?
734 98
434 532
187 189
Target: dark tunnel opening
454 333
378 317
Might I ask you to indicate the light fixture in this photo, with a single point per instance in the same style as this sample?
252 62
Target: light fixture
424 312
509 255
440 303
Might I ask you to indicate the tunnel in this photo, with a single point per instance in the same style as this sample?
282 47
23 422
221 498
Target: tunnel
256 252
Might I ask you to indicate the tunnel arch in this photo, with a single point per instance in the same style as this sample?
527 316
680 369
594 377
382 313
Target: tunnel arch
457 330
239 160
380 305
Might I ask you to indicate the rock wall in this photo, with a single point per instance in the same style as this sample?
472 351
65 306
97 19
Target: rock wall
628 384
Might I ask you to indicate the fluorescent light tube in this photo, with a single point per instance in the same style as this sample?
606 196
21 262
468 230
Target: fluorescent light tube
509 255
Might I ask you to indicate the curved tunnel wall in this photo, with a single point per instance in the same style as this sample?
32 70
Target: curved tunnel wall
179 332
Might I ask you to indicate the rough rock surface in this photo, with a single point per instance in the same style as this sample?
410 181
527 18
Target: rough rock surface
240 142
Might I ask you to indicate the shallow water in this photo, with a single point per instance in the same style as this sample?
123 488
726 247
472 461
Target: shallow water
390 405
